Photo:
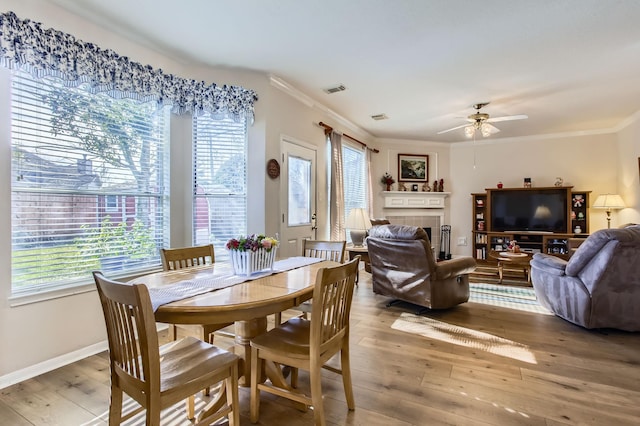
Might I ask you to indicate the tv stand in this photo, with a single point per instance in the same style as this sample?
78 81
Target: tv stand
555 243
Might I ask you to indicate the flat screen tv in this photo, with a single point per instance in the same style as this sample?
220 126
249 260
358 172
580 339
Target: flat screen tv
529 210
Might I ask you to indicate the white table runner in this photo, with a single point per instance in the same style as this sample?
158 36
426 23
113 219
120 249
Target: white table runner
222 277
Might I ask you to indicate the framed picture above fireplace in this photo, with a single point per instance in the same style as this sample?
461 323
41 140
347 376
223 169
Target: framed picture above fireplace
413 168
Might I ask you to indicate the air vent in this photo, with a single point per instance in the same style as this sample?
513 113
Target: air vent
336 89
379 117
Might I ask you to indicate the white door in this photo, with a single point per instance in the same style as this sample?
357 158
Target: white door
298 206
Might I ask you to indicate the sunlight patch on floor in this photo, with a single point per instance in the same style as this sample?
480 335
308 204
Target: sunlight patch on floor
462 336
512 297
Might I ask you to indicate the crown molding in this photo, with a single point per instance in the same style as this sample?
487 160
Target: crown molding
308 101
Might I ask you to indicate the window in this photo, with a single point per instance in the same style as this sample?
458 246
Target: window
219 181
89 184
355 181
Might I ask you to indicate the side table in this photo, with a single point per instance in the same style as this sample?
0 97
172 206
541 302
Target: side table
354 251
517 259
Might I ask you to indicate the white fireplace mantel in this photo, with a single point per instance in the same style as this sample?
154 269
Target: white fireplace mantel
414 200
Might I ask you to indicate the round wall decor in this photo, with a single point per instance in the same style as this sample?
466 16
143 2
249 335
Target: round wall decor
273 168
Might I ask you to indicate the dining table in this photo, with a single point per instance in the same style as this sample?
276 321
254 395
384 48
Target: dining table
247 304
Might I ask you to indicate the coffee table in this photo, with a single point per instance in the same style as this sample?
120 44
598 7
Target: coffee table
516 259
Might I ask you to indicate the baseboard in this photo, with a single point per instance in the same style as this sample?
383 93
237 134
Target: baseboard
51 364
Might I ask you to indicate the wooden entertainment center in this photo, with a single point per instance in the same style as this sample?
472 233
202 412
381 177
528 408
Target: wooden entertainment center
559 234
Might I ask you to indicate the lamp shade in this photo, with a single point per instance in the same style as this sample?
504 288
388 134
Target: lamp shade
358 219
609 202
358 222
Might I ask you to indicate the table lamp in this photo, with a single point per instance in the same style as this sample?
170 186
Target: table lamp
357 223
609 202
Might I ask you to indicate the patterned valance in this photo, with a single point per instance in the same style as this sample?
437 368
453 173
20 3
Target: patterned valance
25 45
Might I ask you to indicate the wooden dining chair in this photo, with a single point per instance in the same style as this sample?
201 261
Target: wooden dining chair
187 257
158 376
309 344
327 250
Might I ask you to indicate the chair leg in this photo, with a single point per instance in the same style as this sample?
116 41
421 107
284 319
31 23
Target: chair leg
115 409
232 397
190 406
294 377
255 392
345 365
316 395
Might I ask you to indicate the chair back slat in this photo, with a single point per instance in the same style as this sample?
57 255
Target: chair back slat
332 298
131 330
328 250
187 257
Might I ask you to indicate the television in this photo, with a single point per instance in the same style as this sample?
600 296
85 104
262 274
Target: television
530 210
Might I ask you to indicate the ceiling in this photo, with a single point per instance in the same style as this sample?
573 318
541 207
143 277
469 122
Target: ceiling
570 65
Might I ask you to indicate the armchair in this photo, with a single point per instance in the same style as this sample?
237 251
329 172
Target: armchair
599 286
403 267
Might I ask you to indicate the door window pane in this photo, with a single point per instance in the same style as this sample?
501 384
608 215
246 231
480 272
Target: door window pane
299 206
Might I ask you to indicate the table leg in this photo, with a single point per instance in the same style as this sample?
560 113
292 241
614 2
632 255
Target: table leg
500 271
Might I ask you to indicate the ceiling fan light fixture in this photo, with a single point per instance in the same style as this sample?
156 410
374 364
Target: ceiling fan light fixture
469 131
485 130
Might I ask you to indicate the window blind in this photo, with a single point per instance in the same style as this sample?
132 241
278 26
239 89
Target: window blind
355 182
89 184
219 181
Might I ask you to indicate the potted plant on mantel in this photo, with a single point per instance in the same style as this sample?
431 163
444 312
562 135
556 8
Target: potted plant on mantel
388 180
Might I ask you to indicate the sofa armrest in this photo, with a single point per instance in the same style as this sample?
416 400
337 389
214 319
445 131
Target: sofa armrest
550 264
454 267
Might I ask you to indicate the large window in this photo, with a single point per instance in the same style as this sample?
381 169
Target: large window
89 184
355 180
219 181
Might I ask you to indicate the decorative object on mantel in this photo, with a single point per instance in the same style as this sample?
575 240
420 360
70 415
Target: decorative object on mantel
527 182
435 186
252 253
441 186
499 185
558 181
414 187
401 186
273 168
426 187
388 180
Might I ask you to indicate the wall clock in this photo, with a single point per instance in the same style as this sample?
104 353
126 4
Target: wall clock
273 168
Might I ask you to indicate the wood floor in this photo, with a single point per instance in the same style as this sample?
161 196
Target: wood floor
473 365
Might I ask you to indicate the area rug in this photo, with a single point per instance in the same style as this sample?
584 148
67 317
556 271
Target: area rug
514 297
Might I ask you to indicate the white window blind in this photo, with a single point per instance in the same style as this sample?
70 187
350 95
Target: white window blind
89 184
219 181
355 182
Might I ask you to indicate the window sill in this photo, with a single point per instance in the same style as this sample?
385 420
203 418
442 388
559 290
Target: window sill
22 299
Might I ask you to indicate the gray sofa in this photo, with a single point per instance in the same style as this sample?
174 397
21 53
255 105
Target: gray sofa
403 267
599 286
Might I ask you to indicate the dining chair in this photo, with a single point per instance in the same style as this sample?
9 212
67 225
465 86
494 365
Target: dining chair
309 344
187 257
327 250
158 376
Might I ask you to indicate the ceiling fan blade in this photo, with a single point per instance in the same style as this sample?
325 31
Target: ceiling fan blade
492 129
507 118
453 128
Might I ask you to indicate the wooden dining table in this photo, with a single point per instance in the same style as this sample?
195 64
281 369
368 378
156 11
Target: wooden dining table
246 305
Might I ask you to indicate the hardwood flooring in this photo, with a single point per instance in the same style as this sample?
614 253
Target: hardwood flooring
476 364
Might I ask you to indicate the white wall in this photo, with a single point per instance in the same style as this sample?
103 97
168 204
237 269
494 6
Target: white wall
587 162
629 173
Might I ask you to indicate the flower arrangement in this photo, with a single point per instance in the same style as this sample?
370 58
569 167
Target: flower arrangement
252 242
252 253
387 179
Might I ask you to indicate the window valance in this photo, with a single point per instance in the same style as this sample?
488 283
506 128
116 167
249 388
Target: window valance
47 52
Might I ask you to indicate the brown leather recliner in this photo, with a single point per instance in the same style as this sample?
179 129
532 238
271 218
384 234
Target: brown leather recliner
404 268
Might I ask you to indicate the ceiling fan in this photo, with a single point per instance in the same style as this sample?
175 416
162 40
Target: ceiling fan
481 121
